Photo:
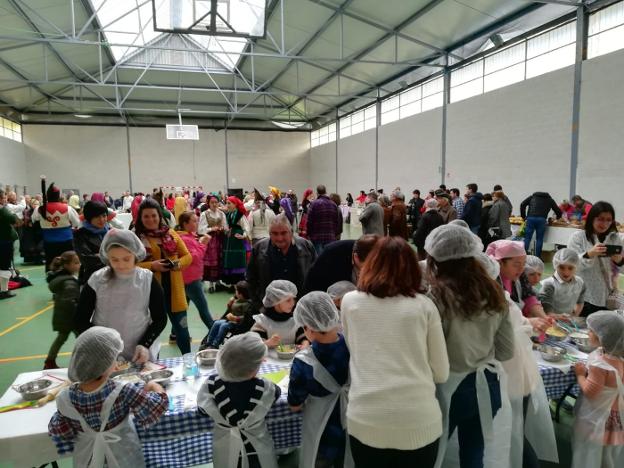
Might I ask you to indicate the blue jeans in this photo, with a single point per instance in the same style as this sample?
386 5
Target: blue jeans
218 332
195 294
180 329
464 415
537 225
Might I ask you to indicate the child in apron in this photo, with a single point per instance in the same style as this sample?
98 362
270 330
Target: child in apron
124 297
599 412
93 415
238 402
479 336
275 323
319 380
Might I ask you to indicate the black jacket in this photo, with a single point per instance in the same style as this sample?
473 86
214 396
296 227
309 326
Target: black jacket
87 246
428 222
539 205
472 210
332 265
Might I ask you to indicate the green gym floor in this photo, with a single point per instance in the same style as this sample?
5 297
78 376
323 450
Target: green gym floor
26 334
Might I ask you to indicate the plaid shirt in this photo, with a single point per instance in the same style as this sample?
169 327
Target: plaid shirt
147 408
322 224
458 204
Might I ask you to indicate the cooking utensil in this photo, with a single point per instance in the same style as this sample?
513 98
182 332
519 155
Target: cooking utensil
33 390
162 377
286 352
556 333
207 357
552 353
581 340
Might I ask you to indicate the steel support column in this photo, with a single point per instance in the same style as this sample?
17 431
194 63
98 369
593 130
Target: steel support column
336 147
377 125
227 163
446 94
129 157
582 18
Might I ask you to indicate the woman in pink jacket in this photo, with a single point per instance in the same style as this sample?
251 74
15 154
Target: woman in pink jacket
193 273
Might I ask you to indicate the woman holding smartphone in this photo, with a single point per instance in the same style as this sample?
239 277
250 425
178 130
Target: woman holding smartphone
166 256
599 248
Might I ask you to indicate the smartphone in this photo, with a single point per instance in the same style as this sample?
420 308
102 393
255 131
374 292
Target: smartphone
169 264
613 250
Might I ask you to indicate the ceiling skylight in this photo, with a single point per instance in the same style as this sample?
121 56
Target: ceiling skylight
129 24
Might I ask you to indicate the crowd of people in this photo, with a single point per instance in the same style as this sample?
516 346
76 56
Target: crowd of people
431 344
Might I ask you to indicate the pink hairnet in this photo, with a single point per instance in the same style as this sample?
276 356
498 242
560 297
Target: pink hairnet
501 249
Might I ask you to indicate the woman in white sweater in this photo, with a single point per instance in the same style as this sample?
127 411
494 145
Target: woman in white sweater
479 336
398 354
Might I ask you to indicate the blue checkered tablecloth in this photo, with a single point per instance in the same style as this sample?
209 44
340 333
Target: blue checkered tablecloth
183 436
555 380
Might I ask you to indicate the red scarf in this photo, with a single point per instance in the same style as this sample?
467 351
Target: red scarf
167 243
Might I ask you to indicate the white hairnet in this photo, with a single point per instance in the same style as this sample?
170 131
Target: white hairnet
491 266
124 239
316 310
533 264
95 351
451 242
609 327
339 289
565 256
460 222
278 291
240 357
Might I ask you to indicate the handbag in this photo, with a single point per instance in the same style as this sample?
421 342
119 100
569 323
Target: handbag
615 299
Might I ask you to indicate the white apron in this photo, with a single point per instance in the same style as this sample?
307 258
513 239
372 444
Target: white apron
317 411
118 447
123 304
287 330
589 425
496 431
524 380
227 441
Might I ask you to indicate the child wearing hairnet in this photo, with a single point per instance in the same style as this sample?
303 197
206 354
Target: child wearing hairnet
124 297
533 269
94 403
322 444
599 412
337 291
275 323
564 292
235 398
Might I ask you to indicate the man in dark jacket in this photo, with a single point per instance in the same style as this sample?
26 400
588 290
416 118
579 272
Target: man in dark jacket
280 256
88 238
539 205
414 207
472 208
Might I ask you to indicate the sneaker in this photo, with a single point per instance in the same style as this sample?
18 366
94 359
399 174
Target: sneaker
6 294
50 364
172 338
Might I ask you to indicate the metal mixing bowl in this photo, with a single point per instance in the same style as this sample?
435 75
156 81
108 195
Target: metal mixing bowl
552 353
581 340
162 376
34 390
207 357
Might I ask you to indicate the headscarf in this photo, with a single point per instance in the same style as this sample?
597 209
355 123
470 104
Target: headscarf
134 207
98 196
179 208
197 200
307 192
285 204
239 205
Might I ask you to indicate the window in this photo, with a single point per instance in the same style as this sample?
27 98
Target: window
323 135
505 67
467 81
358 122
9 129
412 101
551 50
606 30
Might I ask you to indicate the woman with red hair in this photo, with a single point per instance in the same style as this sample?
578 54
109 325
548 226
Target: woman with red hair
305 203
236 242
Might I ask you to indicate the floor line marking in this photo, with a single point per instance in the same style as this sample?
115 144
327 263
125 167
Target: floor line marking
26 320
28 358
